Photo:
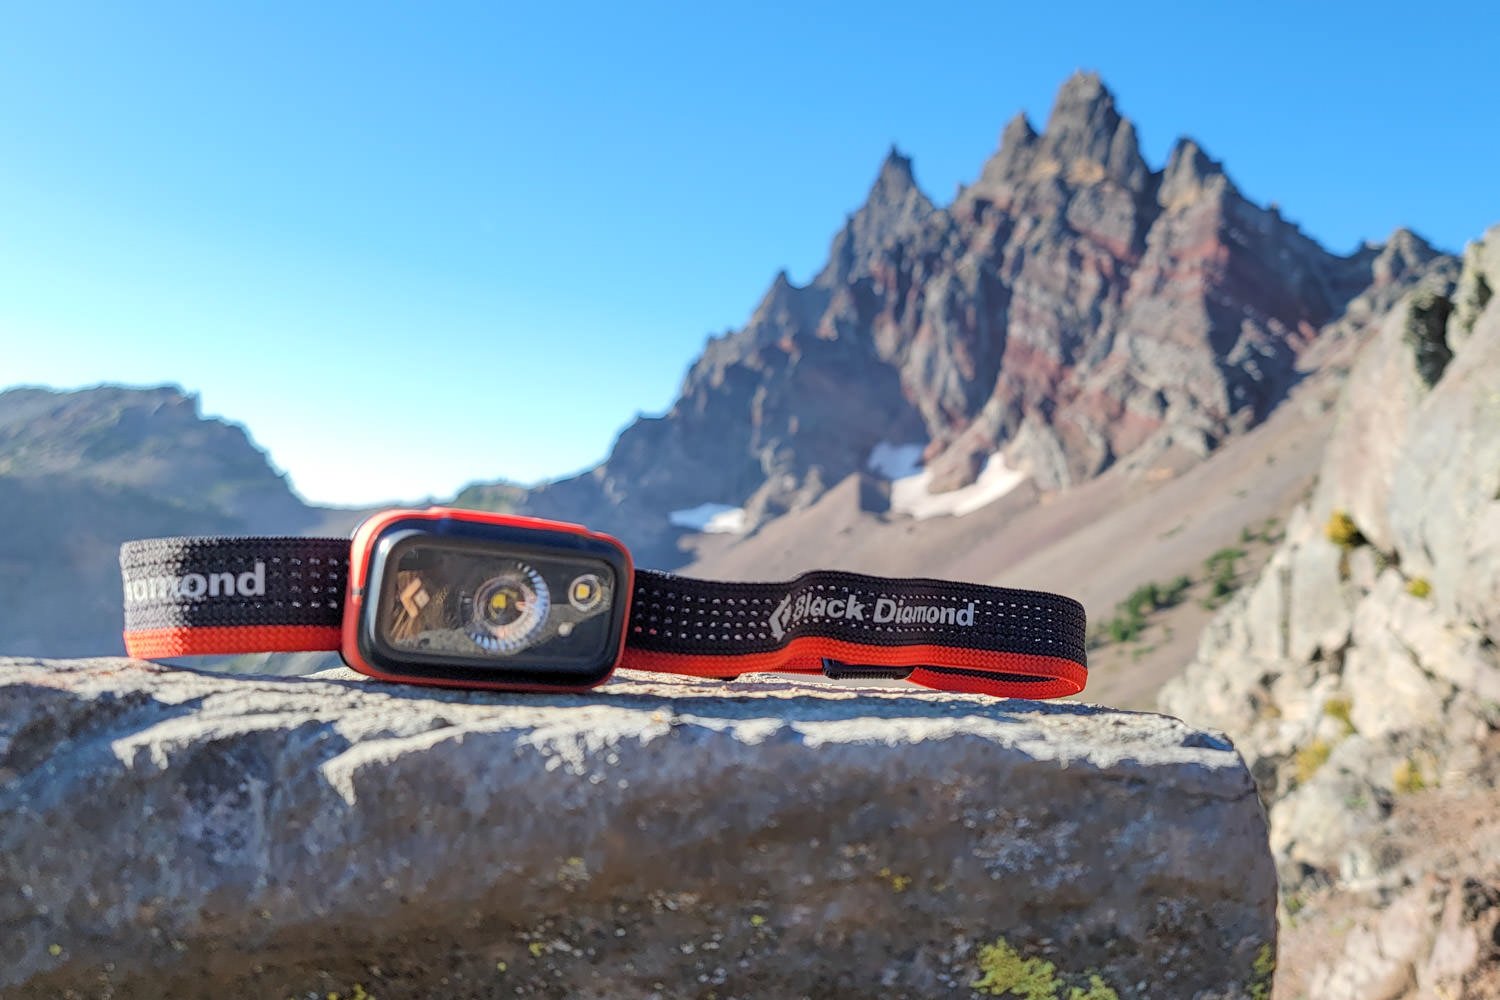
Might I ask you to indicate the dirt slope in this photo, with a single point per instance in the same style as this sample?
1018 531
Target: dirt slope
1096 542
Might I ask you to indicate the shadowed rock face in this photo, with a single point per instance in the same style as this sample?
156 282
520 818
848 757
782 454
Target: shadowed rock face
144 441
81 472
1072 306
1360 672
161 829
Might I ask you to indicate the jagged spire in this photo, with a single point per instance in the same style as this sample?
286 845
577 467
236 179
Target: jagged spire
895 173
1188 172
1403 254
1017 148
1084 126
895 205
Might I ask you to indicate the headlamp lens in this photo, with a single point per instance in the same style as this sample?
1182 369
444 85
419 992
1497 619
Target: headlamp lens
508 610
443 598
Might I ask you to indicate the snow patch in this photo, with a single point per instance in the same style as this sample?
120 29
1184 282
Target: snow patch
711 519
895 461
911 495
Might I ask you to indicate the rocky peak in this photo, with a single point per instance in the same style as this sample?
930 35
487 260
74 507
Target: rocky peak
1086 141
895 179
1018 133
1017 152
786 308
1086 126
1402 255
895 206
1188 174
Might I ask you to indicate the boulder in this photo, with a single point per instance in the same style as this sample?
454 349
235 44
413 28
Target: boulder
171 833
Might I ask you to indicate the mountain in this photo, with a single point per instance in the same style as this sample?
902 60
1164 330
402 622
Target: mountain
1070 309
80 472
1360 673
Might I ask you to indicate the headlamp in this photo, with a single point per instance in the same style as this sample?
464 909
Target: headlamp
445 596
464 598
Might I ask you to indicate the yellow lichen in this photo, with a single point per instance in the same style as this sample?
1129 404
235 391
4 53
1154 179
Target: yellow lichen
1098 990
536 948
756 920
1338 709
1004 972
1262 972
1419 587
1342 531
1310 758
1408 777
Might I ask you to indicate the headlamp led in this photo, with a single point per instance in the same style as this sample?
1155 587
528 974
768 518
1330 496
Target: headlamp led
464 598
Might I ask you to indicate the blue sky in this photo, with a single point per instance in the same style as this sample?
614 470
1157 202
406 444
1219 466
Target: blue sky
411 246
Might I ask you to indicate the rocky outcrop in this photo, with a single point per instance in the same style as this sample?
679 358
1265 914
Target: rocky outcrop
1360 673
163 829
1071 307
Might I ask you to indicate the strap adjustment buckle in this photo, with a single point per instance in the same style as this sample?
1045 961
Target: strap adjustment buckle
836 671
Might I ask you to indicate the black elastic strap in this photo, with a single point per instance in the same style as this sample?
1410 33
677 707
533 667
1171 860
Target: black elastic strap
955 636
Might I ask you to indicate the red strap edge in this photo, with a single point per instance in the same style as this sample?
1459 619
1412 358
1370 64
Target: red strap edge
806 655
230 640
803 655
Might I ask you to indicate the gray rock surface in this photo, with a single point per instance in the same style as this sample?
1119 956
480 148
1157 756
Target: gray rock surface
1360 673
168 833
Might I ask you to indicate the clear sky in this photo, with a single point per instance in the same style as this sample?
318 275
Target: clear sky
414 245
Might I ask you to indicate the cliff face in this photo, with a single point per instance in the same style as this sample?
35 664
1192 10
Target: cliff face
1360 673
1070 308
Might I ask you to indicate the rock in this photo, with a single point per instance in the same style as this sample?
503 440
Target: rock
1360 674
1444 503
162 829
1431 941
1379 960
895 207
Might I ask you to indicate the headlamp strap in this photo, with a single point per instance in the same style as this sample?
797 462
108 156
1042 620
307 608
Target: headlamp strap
197 596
